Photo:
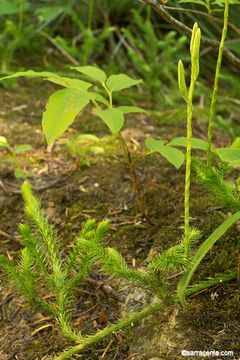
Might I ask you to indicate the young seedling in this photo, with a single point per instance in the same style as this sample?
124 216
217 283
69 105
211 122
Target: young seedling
64 105
14 152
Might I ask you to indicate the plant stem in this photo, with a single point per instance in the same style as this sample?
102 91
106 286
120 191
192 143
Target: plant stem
109 94
122 323
206 284
215 87
208 7
131 320
188 167
20 17
194 50
135 178
16 161
90 13
130 162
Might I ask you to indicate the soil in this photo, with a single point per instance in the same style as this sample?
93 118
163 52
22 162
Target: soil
72 191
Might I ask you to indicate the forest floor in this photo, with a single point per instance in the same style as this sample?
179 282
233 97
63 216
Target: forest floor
72 191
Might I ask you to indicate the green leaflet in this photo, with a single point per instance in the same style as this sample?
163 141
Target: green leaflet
131 109
11 7
113 118
91 71
174 156
31 73
196 143
120 82
97 97
230 155
20 149
201 252
153 144
54 78
87 138
61 110
70 83
3 142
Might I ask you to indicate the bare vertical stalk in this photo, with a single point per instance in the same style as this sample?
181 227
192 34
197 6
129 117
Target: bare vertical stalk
90 14
188 169
215 87
194 50
135 179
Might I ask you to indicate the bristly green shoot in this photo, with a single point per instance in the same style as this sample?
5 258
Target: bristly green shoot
215 87
41 265
213 179
188 96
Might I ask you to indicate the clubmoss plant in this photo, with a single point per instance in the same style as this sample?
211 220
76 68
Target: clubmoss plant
214 180
42 268
41 265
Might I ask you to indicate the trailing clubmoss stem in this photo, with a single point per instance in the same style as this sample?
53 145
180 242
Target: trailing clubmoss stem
215 87
151 309
122 323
